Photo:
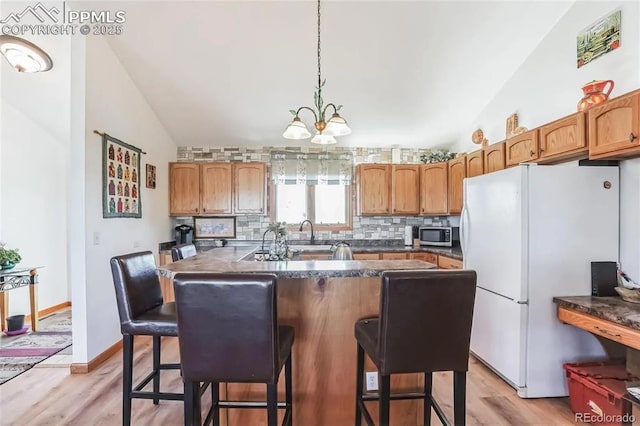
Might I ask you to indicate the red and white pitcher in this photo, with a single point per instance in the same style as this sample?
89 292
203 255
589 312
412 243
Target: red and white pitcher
594 93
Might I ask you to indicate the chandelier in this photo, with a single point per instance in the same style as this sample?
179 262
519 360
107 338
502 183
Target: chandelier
325 130
23 55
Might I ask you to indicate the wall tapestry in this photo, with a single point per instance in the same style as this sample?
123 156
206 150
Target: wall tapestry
120 179
599 38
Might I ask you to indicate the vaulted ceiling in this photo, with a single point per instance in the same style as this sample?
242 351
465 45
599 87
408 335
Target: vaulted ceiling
409 74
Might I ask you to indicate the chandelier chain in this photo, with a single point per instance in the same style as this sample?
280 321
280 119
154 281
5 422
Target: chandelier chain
319 72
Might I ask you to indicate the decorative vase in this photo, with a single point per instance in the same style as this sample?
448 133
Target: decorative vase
594 94
7 265
278 249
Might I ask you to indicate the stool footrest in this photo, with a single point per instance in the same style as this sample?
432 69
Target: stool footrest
248 404
160 395
408 395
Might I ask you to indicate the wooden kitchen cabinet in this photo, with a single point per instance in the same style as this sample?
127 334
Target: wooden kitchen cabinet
614 128
166 284
199 189
563 139
457 173
250 188
521 148
366 256
216 188
184 189
427 257
433 188
405 189
475 163
445 262
494 157
394 256
374 189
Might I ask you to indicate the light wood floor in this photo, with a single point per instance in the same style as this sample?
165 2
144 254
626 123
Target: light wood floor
51 396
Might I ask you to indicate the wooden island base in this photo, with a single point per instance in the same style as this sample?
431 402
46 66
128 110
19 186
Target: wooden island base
323 312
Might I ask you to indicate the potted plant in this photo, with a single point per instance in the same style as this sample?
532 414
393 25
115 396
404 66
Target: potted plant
437 156
8 257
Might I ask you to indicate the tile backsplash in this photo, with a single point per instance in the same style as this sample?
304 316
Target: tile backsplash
364 227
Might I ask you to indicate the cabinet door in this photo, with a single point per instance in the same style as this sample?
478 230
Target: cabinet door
457 173
475 163
215 188
433 188
522 148
614 128
405 189
394 256
366 256
427 257
563 139
374 189
184 189
494 158
250 188
449 263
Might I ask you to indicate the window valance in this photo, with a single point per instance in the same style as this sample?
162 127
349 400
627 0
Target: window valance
325 168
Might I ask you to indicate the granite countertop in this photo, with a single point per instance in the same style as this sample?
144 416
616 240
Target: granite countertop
612 309
229 259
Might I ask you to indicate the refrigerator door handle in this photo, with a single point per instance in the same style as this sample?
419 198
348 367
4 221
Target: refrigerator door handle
463 229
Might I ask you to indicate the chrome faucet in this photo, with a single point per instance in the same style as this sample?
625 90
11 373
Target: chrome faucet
263 236
310 224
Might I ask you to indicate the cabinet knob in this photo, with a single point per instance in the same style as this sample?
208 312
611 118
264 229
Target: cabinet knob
632 137
541 149
196 210
204 210
531 153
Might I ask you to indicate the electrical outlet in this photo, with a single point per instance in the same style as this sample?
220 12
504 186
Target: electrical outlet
372 380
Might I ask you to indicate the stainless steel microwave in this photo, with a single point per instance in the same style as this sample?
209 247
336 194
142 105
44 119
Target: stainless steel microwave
443 236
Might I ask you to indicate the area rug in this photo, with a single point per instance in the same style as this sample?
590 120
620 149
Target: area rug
20 353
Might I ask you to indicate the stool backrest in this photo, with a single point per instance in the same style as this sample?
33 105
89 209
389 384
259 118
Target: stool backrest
227 327
425 320
182 251
137 286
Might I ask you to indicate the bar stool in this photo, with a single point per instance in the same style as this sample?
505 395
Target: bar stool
142 312
424 326
228 332
182 251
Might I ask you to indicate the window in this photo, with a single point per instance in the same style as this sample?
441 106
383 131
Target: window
326 206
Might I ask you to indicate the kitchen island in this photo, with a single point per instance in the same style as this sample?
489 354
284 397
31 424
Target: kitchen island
321 299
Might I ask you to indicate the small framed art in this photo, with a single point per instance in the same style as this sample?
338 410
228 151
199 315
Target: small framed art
151 176
215 227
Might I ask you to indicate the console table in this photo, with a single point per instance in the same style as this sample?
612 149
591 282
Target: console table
15 278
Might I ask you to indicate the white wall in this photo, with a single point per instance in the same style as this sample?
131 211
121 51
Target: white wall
548 86
115 106
34 164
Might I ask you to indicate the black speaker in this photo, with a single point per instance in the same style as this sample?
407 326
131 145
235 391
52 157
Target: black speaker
603 279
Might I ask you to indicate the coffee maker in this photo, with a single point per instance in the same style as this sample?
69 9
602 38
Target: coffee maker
184 234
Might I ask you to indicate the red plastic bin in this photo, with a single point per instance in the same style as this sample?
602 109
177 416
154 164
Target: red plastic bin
596 391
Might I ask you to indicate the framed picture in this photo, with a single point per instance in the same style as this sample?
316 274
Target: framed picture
151 176
215 227
599 38
120 179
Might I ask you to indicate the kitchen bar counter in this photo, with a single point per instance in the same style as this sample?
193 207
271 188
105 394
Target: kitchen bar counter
612 309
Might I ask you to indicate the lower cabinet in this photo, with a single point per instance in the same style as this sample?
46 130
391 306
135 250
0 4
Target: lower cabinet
427 257
366 256
445 262
394 256
166 284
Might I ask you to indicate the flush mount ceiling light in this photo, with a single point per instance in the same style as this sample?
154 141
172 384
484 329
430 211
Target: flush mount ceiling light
24 56
325 130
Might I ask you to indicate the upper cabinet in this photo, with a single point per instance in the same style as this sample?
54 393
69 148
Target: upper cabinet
522 148
475 163
405 189
374 189
433 188
614 128
563 139
494 157
250 188
217 188
457 173
184 189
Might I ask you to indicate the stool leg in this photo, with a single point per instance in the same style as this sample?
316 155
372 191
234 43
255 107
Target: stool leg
156 367
288 388
459 396
127 378
428 388
215 402
192 410
385 394
272 404
359 383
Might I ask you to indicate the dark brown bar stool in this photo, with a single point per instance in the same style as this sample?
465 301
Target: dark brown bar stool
182 251
424 326
228 332
142 312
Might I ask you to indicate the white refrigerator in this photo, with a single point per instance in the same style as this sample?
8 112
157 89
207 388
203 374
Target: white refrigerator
530 232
